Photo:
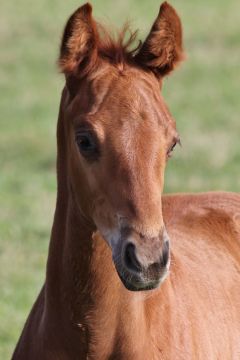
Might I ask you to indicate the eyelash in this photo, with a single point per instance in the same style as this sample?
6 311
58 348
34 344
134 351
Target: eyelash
170 150
87 144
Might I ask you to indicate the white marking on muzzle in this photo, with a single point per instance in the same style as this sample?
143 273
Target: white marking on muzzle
111 236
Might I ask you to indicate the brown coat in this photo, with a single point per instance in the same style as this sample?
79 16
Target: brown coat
112 225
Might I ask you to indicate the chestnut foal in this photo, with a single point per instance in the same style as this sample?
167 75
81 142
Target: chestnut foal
111 231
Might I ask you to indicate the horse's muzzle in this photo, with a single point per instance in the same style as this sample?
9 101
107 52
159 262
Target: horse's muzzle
143 270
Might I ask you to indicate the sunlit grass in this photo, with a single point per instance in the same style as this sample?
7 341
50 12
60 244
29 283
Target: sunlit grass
203 96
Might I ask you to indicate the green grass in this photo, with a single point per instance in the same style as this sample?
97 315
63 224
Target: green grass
203 96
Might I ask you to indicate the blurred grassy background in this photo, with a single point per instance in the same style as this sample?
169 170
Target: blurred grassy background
203 95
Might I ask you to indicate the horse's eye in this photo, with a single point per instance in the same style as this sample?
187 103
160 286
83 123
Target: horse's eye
86 144
170 150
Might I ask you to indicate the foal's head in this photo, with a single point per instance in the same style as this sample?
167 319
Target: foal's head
120 135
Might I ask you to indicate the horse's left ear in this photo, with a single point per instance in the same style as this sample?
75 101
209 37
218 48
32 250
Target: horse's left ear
162 50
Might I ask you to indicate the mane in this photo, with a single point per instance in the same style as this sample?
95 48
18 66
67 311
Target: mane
84 40
118 47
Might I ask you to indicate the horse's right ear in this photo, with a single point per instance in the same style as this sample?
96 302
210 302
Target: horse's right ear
78 51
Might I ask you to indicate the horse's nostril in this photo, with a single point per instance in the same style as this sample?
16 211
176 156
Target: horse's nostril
165 254
130 258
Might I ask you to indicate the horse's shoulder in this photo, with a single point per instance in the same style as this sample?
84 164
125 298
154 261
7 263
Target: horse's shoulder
212 211
213 217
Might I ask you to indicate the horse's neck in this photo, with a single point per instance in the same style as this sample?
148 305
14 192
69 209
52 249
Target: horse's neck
83 290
